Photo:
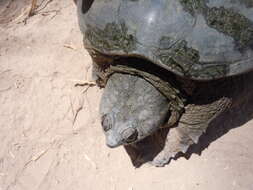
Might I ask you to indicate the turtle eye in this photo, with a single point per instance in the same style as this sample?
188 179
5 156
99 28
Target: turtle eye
132 138
86 5
130 135
106 122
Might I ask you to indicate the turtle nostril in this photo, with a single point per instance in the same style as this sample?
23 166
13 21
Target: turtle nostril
106 122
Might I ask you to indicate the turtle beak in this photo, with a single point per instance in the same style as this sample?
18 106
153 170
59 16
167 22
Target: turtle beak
112 142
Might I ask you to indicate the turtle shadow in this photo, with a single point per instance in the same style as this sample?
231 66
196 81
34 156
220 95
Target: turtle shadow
145 150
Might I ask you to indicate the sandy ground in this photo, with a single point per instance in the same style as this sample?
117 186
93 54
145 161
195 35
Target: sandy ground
43 146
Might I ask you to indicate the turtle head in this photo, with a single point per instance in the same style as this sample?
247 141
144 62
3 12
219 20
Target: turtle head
131 109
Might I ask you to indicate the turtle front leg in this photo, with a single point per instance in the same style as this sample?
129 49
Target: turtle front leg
191 126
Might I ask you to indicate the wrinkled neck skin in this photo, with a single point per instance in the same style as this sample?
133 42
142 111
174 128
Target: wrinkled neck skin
131 109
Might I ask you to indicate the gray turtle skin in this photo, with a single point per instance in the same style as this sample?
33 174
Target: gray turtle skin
199 46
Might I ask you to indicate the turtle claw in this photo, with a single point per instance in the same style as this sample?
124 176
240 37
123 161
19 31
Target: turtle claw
161 159
176 142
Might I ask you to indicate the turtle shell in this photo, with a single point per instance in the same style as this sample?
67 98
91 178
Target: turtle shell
196 39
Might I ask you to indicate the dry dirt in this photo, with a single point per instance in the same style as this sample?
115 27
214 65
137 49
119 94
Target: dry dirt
45 147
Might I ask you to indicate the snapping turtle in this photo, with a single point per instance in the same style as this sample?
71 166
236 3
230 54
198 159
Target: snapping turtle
167 63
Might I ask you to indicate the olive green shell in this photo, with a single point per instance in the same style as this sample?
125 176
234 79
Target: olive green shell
196 39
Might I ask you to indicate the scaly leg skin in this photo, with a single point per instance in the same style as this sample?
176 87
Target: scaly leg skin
191 126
